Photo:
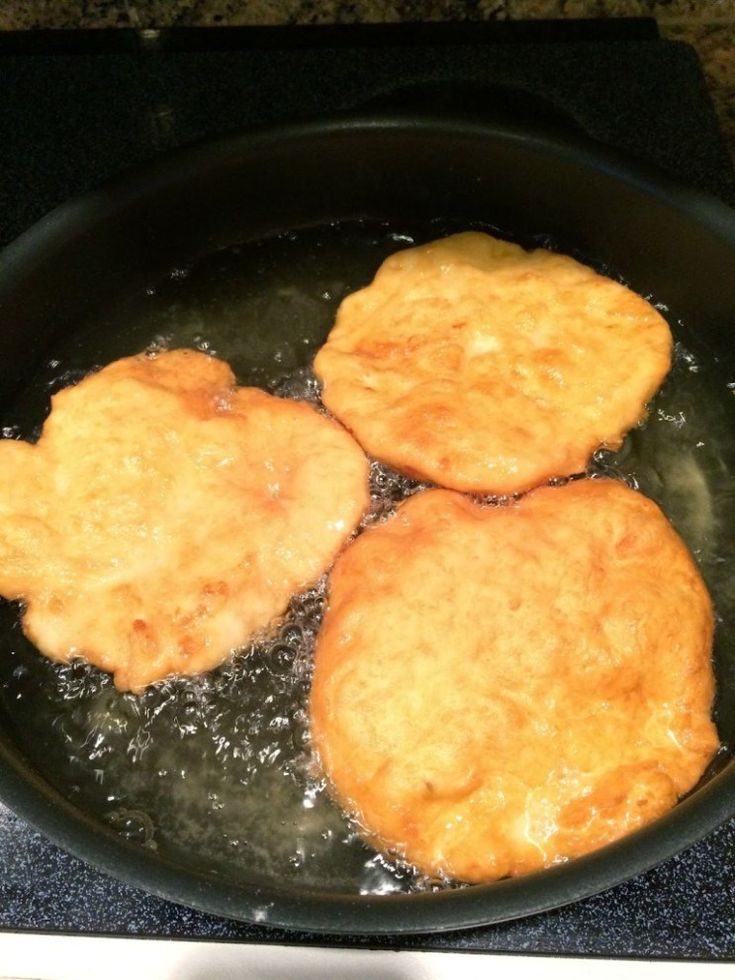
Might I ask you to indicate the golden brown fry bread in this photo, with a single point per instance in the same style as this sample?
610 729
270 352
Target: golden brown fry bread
165 515
500 688
485 368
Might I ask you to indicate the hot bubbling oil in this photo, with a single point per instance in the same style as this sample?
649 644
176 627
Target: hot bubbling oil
216 771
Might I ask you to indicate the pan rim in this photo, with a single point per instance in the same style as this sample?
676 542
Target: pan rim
120 190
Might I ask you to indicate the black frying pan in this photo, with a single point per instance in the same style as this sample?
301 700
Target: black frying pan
152 255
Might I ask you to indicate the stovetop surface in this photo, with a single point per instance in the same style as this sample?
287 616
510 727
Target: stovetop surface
79 107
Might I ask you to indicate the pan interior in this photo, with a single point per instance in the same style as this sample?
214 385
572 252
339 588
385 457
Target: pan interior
215 772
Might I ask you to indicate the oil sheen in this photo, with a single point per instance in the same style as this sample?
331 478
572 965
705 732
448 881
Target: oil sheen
215 772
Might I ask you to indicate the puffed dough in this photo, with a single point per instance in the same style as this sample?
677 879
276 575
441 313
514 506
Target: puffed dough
478 366
500 688
166 515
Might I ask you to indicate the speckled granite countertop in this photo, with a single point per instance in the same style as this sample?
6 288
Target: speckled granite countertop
709 25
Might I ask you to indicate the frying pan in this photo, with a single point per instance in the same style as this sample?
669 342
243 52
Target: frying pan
66 278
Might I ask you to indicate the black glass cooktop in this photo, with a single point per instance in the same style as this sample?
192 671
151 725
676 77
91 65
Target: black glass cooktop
78 107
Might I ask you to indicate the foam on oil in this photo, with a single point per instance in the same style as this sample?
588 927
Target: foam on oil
216 771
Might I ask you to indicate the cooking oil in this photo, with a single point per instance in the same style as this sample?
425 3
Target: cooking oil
215 772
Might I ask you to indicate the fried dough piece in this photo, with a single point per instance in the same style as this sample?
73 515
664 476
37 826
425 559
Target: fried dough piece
165 515
500 688
481 367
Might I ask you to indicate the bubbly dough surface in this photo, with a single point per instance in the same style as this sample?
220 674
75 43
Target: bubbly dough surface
166 515
481 367
500 688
